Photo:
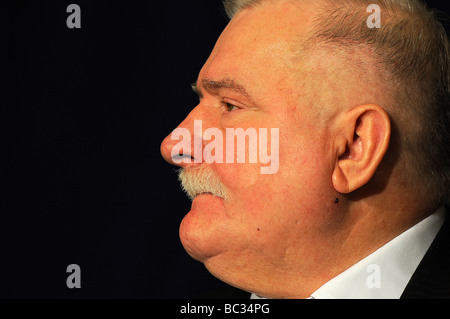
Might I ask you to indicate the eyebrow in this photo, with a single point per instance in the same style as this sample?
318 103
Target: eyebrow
213 85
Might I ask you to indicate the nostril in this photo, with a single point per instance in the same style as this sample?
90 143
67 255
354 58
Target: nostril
182 158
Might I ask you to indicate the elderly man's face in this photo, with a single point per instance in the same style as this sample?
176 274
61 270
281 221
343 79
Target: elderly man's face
267 219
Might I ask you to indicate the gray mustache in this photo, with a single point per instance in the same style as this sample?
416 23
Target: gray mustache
199 180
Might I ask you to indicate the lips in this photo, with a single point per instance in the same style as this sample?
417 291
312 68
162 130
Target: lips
209 193
205 194
208 200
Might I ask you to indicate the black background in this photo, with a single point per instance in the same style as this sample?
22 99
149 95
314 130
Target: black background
83 114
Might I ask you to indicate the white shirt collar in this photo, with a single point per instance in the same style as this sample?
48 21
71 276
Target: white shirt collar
385 273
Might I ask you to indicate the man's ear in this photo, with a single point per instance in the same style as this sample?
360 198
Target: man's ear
361 141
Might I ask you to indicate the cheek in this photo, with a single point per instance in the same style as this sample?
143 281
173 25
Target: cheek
238 177
297 190
275 203
305 176
300 172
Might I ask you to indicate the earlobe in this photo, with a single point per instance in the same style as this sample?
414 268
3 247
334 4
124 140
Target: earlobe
365 131
340 182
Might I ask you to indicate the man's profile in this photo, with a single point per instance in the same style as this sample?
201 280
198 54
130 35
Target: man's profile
356 206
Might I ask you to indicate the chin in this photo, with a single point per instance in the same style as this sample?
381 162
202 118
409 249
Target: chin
203 232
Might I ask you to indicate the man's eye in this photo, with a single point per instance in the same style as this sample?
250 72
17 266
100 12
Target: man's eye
230 107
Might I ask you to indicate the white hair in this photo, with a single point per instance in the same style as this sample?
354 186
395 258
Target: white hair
200 180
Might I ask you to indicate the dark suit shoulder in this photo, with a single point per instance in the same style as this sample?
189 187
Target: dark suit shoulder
431 280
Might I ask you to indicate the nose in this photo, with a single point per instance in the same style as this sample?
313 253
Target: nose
184 145
180 158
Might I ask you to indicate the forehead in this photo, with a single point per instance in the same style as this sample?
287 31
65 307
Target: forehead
262 38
